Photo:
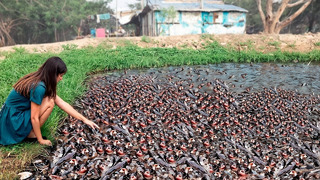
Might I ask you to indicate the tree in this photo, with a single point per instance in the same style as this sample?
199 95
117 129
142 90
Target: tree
42 21
9 20
271 19
308 21
135 6
168 15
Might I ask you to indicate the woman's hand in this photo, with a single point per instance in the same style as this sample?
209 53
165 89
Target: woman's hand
91 124
72 112
45 142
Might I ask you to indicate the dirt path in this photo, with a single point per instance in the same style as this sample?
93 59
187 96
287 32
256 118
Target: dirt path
259 42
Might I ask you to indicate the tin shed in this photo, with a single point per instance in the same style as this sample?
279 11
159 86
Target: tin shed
189 17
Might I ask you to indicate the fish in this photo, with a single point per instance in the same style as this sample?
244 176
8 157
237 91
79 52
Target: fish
186 126
64 158
286 169
116 166
196 165
25 175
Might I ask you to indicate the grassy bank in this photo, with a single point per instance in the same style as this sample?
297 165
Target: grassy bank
82 62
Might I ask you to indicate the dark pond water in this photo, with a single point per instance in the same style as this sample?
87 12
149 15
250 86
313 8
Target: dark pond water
303 78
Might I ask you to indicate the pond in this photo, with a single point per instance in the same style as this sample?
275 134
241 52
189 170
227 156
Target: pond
239 77
247 121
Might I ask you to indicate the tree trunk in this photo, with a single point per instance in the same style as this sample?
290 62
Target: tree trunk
263 17
312 22
2 41
271 19
55 30
5 29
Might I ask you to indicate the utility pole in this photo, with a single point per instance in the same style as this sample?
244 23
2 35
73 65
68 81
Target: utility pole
116 18
201 4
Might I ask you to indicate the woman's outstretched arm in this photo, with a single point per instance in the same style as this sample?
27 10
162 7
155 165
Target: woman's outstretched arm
72 112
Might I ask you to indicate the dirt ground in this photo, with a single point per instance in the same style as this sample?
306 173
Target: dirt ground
260 42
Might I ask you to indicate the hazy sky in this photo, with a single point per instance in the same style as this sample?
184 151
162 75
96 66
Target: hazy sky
122 4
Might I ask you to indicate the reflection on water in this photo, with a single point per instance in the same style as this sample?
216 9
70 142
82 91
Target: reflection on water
239 77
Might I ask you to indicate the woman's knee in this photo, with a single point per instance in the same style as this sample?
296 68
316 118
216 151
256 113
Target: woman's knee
49 102
47 106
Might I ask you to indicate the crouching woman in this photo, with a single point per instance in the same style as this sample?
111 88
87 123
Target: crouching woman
31 102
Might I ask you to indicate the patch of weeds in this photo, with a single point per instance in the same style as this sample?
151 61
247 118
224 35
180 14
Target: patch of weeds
2 53
204 36
125 43
19 50
184 45
262 48
145 39
317 44
292 45
106 45
248 43
128 43
69 47
207 36
276 44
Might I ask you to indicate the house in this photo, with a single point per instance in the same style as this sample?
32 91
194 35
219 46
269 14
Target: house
182 17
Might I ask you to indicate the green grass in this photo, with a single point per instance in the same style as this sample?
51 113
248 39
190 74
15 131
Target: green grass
248 43
292 45
82 62
69 46
145 39
207 36
274 43
317 44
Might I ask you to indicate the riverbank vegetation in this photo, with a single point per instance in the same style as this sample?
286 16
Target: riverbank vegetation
90 60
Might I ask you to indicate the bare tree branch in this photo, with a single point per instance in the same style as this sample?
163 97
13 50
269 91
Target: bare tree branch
295 4
279 13
263 17
27 2
4 6
288 20
40 4
64 5
5 29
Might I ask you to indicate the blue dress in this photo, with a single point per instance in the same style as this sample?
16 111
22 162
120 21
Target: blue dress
15 115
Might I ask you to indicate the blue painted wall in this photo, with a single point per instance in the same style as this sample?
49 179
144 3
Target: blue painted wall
200 22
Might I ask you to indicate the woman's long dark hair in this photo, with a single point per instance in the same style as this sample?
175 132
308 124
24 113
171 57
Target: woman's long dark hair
47 73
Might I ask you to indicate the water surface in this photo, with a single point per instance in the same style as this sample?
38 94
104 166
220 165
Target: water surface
302 78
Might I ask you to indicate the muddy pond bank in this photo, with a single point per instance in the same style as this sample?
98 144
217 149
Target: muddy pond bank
226 120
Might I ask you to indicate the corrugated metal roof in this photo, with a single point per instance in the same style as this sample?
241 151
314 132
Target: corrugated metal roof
194 6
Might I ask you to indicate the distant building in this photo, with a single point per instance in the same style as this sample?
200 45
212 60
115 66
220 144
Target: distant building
191 17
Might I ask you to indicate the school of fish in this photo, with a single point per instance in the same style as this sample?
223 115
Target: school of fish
189 126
